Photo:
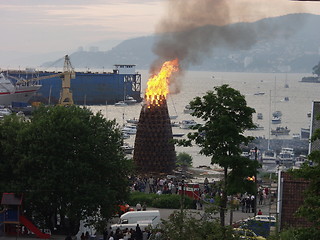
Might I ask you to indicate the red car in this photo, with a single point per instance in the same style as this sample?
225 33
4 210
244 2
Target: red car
125 208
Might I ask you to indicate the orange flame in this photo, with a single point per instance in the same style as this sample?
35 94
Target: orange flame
158 85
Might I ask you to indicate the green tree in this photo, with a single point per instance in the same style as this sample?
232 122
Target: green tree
71 165
316 70
10 128
226 116
184 160
185 226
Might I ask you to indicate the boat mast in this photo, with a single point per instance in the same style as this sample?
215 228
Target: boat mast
269 121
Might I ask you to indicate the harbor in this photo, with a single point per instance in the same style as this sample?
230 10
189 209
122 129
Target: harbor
295 116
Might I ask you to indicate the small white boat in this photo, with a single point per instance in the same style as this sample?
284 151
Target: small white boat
130 100
286 156
259 93
125 135
187 109
257 128
296 135
5 111
127 149
121 104
129 129
276 120
277 114
280 131
269 157
186 124
300 160
133 121
175 124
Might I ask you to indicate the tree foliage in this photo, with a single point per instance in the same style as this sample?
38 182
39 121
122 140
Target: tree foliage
66 162
185 226
226 116
184 159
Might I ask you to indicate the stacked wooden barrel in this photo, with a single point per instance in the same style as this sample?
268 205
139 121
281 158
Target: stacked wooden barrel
154 151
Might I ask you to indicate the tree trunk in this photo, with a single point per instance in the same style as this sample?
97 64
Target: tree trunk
223 202
231 216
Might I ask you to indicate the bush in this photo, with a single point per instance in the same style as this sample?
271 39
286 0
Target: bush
141 197
171 201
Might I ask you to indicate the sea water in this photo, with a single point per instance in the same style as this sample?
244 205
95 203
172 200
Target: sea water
265 92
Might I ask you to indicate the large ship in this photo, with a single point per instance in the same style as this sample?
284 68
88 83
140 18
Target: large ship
12 93
88 88
311 79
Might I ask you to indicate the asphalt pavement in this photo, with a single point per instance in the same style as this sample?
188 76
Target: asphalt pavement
238 215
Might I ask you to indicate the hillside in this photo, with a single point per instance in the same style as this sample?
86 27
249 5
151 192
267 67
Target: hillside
289 43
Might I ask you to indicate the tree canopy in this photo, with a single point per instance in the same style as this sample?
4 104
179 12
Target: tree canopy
226 116
184 159
66 162
184 226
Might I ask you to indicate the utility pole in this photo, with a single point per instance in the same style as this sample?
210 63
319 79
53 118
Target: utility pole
255 182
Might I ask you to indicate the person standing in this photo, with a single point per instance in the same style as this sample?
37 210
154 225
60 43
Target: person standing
111 236
243 204
138 207
248 204
144 206
138 233
82 237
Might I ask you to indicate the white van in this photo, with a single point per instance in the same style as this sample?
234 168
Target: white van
135 216
143 225
143 218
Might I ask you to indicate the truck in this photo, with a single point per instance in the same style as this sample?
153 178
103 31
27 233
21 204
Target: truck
143 218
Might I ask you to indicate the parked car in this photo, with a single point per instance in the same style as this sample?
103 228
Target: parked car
246 234
265 218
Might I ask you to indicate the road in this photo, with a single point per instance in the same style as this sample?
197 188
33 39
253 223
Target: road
238 215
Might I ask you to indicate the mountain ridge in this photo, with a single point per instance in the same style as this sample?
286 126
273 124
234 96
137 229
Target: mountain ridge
291 44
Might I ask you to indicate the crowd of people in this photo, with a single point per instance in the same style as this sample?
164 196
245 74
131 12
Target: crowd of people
129 234
207 194
155 185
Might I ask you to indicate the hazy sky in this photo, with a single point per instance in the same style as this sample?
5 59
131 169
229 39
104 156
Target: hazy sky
42 26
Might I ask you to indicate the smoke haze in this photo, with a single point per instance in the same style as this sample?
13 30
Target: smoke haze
192 29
